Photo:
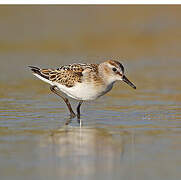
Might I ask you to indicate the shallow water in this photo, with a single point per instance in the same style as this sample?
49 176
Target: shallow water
126 134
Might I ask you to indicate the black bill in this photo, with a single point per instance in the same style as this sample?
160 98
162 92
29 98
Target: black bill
125 79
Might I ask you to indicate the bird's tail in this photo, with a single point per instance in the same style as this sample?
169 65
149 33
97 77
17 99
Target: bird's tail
35 70
41 75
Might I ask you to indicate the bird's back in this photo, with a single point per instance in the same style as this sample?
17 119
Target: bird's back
67 75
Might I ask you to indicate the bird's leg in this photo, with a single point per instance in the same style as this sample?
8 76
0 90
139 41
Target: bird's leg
67 122
78 110
72 114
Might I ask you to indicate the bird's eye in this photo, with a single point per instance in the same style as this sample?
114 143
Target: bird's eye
114 69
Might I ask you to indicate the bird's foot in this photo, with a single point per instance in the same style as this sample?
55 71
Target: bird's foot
71 116
80 122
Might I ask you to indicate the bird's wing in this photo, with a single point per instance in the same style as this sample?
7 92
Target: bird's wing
68 75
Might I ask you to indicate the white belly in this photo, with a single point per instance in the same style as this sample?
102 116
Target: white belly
84 91
81 91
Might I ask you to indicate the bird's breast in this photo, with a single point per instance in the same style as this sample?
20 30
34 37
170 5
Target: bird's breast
86 91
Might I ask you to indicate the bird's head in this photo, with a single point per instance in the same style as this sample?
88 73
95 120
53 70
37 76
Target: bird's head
112 71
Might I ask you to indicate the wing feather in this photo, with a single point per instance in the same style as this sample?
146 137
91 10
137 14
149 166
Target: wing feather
66 75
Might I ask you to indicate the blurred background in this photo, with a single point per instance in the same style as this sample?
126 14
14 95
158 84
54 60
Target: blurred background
73 32
126 134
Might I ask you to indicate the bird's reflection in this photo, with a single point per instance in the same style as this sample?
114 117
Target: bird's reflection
85 141
92 149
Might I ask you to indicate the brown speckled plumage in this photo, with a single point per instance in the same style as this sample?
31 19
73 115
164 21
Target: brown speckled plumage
82 82
70 74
